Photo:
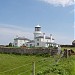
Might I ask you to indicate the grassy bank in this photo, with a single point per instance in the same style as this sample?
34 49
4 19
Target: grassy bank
11 64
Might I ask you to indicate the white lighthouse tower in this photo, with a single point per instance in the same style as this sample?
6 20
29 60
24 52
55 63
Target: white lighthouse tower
37 31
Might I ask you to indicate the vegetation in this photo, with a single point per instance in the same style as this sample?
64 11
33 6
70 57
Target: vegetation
73 48
11 64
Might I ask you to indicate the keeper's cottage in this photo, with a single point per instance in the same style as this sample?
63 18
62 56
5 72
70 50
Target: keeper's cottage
40 40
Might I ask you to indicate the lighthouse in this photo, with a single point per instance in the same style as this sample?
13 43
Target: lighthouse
37 31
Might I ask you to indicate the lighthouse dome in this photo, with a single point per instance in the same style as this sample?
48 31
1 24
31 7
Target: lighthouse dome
38 26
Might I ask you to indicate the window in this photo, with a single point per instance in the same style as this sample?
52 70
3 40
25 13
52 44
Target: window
23 45
37 39
30 45
37 29
37 44
15 43
26 44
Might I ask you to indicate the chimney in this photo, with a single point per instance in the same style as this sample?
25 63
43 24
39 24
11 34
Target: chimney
16 36
44 37
51 37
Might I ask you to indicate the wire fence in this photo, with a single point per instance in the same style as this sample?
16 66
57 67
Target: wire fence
44 60
24 72
15 68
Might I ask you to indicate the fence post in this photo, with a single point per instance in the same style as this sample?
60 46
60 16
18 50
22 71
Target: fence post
67 53
33 68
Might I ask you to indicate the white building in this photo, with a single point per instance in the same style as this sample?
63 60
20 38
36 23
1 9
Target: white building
20 41
40 40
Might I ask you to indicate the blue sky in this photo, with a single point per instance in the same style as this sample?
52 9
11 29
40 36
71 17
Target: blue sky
19 17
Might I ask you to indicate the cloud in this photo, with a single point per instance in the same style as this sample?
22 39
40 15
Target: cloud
60 2
9 32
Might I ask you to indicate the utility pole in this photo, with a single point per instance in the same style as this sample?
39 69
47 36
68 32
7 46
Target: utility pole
33 68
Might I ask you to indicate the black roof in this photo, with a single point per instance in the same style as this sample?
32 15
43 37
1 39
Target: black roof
21 38
47 37
52 43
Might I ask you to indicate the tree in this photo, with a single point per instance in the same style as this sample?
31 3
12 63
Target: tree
73 43
10 44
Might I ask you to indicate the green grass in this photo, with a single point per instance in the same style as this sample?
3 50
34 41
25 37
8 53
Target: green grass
11 64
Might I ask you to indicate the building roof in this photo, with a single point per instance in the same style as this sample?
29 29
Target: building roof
52 43
38 25
46 37
32 41
21 38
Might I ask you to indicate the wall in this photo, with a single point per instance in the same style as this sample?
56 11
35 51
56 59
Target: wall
28 51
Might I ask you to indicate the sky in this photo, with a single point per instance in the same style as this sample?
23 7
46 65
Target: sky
19 17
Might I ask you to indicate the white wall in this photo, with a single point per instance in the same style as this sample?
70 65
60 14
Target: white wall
38 40
48 40
42 42
30 44
20 42
37 33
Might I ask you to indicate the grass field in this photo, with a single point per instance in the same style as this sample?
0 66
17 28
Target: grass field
11 64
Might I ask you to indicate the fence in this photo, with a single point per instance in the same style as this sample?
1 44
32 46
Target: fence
33 67
68 52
